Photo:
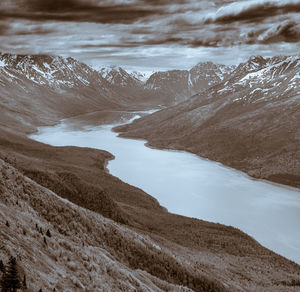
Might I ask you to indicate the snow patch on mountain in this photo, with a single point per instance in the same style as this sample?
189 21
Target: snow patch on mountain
141 75
2 63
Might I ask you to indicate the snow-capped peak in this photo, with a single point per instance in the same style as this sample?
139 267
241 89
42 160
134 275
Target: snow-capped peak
141 75
2 63
117 76
54 71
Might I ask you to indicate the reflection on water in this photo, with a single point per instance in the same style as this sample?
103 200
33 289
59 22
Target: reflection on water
188 185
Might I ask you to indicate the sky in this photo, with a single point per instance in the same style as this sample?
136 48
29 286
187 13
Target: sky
151 35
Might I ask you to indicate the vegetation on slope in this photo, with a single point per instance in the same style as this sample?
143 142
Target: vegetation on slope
83 243
185 251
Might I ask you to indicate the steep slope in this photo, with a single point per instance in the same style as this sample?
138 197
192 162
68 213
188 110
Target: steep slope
177 85
204 75
128 85
81 250
158 252
40 89
248 121
169 85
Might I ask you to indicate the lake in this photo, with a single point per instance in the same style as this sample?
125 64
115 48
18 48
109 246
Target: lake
189 185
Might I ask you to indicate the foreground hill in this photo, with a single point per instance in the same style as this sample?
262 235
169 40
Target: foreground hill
103 233
60 245
248 121
144 248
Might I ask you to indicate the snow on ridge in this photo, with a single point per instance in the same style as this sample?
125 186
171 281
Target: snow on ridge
255 74
2 63
220 74
266 70
141 75
189 80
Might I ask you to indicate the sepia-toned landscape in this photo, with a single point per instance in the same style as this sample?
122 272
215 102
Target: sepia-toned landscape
149 145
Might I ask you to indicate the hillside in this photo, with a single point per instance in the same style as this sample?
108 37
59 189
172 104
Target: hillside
247 121
82 251
179 85
152 250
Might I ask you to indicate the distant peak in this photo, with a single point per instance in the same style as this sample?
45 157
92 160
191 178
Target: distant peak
253 57
258 59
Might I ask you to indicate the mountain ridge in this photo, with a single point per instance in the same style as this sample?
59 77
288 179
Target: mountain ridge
58 87
240 122
171 86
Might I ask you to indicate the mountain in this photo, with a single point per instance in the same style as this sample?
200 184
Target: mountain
204 75
129 85
165 87
119 77
177 85
142 76
57 87
38 89
170 85
247 121
73 226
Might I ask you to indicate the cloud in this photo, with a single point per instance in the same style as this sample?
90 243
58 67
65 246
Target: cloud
129 31
4 28
24 28
288 31
252 10
78 10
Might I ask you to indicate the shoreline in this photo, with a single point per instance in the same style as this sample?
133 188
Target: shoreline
158 147
148 144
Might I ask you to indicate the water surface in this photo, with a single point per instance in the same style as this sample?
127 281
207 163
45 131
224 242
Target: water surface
188 185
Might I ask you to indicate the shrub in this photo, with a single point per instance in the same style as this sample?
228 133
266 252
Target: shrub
10 280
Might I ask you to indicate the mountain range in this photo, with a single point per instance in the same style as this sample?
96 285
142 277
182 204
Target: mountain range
247 121
167 87
72 226
58 87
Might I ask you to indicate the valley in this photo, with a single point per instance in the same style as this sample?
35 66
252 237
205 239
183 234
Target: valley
108 234
244 122
191 186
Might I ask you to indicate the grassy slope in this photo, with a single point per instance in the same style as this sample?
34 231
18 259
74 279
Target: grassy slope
215 250
83 250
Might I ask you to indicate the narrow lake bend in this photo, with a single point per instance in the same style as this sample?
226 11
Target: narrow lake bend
189 185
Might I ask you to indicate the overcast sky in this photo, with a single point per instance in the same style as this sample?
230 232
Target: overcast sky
151 34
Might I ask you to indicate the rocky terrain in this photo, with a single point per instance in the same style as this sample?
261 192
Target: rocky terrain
248 121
